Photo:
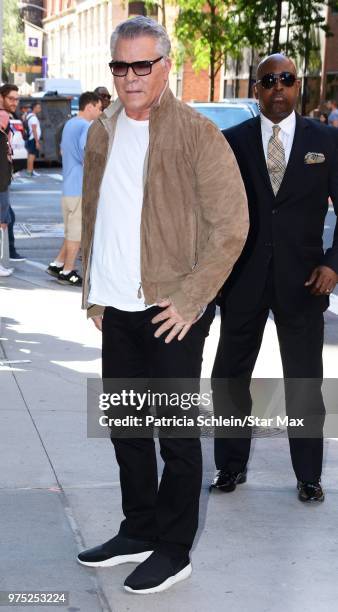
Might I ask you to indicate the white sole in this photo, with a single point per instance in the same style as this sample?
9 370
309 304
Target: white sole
182 575
119 560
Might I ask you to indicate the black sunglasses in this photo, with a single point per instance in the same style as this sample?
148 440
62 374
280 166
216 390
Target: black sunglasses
142 68
269 80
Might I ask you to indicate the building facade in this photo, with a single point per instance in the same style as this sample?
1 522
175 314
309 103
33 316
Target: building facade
77 38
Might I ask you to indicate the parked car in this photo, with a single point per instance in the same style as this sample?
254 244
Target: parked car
18 144
252 102
224 115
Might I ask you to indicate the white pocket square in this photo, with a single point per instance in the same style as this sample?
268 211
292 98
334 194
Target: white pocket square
314 158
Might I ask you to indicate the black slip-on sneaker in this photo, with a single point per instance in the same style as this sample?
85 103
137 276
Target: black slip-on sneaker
116 551
158 573
54 270
72 278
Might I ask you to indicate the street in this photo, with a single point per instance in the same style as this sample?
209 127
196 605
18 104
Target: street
258 549
39 234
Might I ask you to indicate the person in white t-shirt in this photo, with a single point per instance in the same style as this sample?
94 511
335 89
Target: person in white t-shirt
34 135
164 219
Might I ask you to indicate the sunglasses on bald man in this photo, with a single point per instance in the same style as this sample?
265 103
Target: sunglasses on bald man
270 79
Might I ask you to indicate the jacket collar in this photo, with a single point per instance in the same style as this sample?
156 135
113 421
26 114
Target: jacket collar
115 108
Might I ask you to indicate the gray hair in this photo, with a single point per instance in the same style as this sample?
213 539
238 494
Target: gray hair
141 26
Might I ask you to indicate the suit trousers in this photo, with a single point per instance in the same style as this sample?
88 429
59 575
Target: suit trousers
166 513
300 337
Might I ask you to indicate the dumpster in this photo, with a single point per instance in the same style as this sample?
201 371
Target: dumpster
55 111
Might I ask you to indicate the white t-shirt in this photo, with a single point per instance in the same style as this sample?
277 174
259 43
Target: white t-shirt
33 120
286 134
115 273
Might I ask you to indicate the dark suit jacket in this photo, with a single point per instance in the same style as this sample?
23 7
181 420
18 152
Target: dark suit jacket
285 230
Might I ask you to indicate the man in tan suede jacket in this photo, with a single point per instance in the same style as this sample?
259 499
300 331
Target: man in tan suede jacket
164 220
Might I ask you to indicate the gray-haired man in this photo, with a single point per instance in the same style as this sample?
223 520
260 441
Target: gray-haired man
164 220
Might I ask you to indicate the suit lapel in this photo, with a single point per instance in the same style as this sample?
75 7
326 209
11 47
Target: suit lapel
255 144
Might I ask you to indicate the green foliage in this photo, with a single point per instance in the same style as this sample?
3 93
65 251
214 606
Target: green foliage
13 38
207 31
204 27
261 28
210 31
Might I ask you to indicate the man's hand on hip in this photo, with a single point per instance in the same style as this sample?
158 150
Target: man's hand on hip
322 280
98 322
173 322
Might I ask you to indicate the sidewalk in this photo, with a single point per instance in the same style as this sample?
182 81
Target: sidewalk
258 549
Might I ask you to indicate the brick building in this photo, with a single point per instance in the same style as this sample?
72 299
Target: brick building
329 85
77 35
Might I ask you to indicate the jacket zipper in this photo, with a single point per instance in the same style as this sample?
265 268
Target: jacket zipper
195 242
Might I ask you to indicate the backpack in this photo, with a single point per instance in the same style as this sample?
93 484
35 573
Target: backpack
25 123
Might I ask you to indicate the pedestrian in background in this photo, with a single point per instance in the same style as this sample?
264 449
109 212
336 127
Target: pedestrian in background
104 96
9 99
34 134
5 173
73 141
333 116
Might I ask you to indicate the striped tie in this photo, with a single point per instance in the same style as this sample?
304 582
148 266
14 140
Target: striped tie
276 160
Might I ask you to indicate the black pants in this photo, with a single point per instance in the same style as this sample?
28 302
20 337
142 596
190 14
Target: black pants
11 232
167 513
301 343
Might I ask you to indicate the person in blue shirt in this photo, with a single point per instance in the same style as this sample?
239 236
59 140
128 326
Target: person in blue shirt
333 116
73 144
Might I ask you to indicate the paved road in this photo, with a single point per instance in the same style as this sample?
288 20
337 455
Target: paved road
36 202
258 549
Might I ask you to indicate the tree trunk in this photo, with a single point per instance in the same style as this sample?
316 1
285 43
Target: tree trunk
278 23
212 76
163 13
212 55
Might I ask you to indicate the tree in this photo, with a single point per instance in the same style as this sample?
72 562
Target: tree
13 38
262 22
207 33
159 5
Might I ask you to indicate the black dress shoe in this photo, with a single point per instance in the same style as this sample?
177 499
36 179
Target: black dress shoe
310 491
227 481
158 573
115 552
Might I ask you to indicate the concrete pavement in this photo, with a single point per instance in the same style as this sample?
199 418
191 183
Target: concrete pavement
258 549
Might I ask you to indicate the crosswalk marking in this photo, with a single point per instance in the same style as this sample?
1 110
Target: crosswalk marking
38 192
56 177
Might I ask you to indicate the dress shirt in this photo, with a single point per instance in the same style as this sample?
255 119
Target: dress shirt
286 134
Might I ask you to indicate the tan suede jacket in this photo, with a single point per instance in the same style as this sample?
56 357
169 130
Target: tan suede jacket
194 219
